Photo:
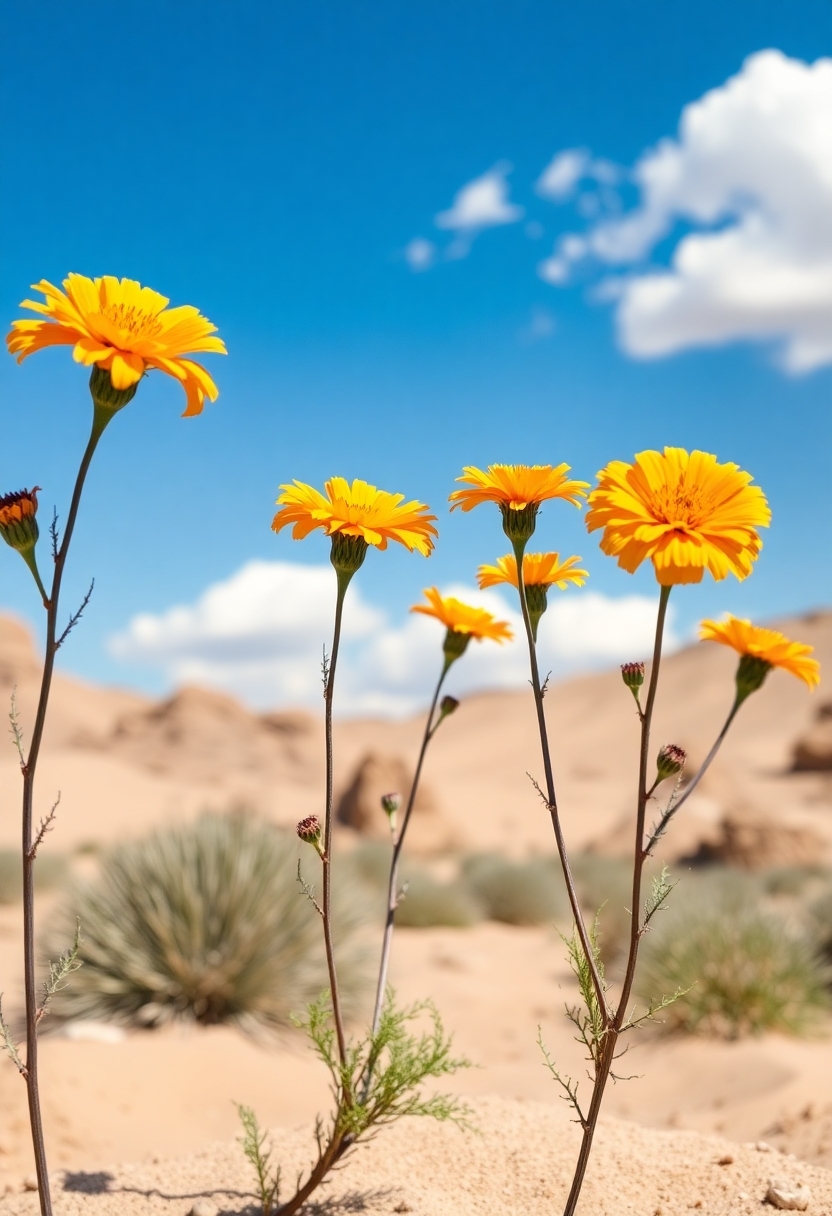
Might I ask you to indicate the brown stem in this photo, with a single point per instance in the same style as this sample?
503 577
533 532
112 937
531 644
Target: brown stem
335 1149
393 879
326 902
29 769
613 1030
551 798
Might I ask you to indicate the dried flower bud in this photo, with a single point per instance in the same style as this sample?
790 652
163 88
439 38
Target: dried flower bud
309 830
390 803
632 674
670 761
18 525
448 706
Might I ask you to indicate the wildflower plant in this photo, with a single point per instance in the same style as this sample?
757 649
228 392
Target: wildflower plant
119 330
686 513
377 1078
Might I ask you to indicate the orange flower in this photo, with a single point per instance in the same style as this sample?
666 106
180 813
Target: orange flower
768 647
685 511
539 570
18 525
458 617
358 510
517 486
123 328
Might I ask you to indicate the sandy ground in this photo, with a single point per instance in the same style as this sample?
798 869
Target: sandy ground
173 1091
518 1163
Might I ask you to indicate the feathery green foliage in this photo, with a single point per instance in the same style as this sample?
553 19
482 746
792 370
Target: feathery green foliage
205 922
259 1154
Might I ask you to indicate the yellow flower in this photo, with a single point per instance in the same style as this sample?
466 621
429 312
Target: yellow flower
123 328
517 486
518 490
768 647
685 511
462 621
539 570
358 510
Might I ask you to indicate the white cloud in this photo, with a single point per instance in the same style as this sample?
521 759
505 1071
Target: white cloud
481 203
420 254
560 177
751 164
259 635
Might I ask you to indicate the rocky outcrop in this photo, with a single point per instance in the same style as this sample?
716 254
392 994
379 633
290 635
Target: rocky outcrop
360 804
813 751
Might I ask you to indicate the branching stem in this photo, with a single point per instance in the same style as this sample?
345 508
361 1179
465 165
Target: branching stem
29 768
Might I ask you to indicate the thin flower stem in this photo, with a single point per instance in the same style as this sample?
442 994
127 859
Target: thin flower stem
610 1040
676 803
29 769
326 901
551 798
393 880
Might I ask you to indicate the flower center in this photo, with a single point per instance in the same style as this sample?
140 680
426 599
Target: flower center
679 504
131 321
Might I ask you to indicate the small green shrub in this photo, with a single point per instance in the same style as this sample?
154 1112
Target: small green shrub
820 922
205 922
51 871
746 969
516 893
427 903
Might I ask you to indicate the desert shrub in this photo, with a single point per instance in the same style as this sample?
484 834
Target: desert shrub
746 969
516 893
820 922
51 871
203 922
426 901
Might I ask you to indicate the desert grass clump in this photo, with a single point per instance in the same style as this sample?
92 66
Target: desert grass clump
516 892
739 969
425 903
202 922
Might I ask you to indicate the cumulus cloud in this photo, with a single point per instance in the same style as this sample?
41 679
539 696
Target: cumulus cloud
259 635
751 172
560 177
481 203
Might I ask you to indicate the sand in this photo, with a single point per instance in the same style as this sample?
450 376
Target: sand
517 1163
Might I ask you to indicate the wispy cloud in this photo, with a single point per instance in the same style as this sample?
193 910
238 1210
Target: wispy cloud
420 254
259 634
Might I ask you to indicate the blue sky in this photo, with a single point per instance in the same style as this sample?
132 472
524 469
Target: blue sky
273 164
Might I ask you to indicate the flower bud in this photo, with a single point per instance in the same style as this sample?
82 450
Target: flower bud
632 674
309 830
347 553
536 603
390 803
104 396
448 706
18 525
670 761
751 672
519 525
455 645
